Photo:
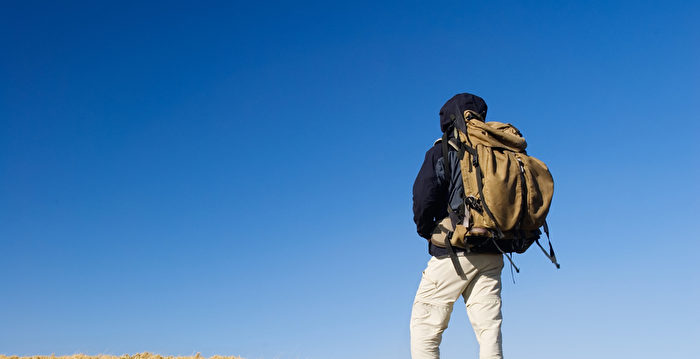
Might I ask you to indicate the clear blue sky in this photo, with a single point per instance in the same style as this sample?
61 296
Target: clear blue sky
235 178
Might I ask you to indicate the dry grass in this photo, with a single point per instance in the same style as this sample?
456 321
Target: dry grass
125 356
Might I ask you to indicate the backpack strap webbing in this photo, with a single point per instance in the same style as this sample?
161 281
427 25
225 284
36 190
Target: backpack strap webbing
453 255
453 216
552 257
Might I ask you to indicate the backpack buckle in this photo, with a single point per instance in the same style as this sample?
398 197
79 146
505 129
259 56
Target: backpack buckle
473 202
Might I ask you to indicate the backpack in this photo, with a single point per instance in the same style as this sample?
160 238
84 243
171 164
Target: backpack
507 193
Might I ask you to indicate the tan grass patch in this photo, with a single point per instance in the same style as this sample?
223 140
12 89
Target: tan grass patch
124 356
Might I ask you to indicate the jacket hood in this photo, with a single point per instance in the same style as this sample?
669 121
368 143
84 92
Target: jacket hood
454 109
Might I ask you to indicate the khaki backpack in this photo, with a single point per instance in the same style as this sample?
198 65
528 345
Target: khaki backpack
507 194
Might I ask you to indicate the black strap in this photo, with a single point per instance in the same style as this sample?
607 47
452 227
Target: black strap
459 120
453 255
510 259
523 193
480 185
552 257
453 216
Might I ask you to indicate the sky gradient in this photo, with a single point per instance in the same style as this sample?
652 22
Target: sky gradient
235 178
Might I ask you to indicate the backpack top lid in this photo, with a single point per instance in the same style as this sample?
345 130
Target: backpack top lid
454 109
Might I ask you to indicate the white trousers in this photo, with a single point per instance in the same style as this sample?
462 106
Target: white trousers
439 289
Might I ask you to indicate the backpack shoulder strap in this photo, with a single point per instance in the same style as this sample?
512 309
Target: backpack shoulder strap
454 219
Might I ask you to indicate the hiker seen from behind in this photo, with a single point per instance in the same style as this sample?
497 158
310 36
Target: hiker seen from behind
478 198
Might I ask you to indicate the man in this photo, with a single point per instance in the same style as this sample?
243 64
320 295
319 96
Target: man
441 284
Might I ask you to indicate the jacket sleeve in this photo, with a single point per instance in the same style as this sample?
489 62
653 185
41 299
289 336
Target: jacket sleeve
430 193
